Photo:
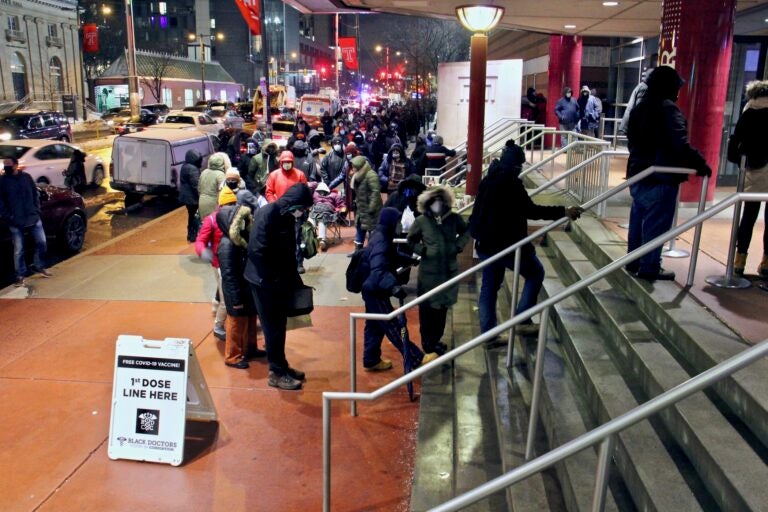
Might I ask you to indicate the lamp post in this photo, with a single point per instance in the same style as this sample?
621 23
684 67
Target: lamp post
386 53
478 19
201 41
133 79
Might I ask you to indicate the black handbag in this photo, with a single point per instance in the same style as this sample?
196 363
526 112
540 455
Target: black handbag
300 302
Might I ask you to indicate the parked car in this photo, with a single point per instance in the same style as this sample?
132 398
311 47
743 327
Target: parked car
201 121
197 108
245 110
45 160
150 162
114 116
159 109
63 214
282 131
41 124
226 105
228 118
136 123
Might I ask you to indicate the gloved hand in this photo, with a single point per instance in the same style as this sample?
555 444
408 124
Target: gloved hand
399 292
704 171
574 212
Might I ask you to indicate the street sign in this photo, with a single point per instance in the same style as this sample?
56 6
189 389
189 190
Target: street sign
68 105
149 399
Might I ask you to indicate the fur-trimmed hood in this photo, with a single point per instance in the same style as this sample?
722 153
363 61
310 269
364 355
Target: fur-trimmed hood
440 191
241 223
757 103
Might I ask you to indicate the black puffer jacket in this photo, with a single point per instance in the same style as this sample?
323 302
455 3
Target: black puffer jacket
234 221
189 176
407 193
272 244
657 133
503 207
383 256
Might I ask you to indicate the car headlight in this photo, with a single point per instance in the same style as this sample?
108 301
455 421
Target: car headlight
5 136
110 122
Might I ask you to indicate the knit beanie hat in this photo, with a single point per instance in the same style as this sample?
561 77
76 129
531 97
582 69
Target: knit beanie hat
227 196
233 174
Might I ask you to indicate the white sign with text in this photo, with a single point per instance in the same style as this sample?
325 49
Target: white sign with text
149 400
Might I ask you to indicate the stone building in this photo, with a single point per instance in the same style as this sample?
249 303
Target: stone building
40 59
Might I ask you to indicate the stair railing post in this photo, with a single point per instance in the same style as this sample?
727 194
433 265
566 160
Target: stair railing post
671 252
601 474
697 232
729 280
538 374
352 364
326 454
605 170
513 305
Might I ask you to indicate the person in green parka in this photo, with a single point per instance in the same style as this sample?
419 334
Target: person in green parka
365 182
211 181
438 235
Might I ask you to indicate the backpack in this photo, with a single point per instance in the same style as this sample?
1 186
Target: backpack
357 271
309 241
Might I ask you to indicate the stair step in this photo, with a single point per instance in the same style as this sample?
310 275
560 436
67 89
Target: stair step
701 341
647 468
727 464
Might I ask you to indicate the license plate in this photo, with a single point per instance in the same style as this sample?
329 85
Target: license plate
141 188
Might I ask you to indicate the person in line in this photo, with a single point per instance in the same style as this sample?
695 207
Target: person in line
278 182
272 274
328 205
748 140
500 219
261 165
438 154
365 184
189 177
305 162
333 163
394 169
234 222
379 286
207 248
20 209
74 174
419 155
438 235
567 113
590 109
657 134
211 181
406 195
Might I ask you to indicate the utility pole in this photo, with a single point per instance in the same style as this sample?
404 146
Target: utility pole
336 55
387 71
265 56
202 68
133 79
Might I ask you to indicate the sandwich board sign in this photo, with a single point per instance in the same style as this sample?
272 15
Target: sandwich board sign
150 399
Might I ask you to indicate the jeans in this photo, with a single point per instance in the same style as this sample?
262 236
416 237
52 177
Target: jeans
17 236
563 137
359 234
271 304
651 215
375 330
493 275
749 215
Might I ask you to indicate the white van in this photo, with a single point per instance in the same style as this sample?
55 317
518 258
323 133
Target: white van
149 162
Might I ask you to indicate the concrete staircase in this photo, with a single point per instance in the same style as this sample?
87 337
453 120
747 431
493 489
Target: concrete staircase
610 348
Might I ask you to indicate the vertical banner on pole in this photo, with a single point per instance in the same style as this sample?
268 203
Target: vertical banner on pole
250 12
348 52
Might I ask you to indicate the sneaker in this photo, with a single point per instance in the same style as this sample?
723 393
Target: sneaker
527 329
240 365
254 353
220 335
428 358
384 364
296 374
19 282
285 382
323 245
214 306
301 269
661 275
45 273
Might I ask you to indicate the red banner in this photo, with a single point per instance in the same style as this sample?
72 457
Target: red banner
90 38
348 52
250 11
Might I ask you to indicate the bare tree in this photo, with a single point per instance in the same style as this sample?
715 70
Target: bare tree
153 73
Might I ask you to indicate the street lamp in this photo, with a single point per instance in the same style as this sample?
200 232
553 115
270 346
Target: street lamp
478 19
192 37
378 50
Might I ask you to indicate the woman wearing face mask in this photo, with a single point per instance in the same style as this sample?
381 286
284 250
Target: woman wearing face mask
438 235
567 112
394 169
333 163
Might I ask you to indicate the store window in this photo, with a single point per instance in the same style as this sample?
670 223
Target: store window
18 76
54 68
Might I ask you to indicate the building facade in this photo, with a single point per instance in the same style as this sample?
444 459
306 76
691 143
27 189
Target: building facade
40 59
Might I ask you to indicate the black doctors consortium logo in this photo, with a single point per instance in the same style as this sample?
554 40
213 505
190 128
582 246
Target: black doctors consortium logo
147 421
122 440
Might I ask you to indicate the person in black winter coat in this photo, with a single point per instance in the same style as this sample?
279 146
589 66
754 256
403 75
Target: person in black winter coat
438 154
333 163
500 219
74 175
189 176
271 270
657 134
419 155
234 221
406 194
381 284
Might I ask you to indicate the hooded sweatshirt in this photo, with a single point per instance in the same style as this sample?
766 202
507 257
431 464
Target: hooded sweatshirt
272 244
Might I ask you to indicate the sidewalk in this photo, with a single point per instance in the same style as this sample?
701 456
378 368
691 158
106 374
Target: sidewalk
56 366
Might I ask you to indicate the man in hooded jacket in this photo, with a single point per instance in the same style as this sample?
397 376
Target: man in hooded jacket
189 176
333 163
657 134
261 165
500 219
271 271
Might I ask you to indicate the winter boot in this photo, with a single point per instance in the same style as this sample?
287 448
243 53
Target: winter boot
323 245
739 263
762 268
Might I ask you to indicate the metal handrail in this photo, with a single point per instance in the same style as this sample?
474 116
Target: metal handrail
575 168
562 151
353 396
606 433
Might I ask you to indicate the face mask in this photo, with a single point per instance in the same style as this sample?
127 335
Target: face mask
396 156
349 156
436 207
233 184
8 169
287 166
337 148
271 152
298 213
568 95
343 132
585 94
